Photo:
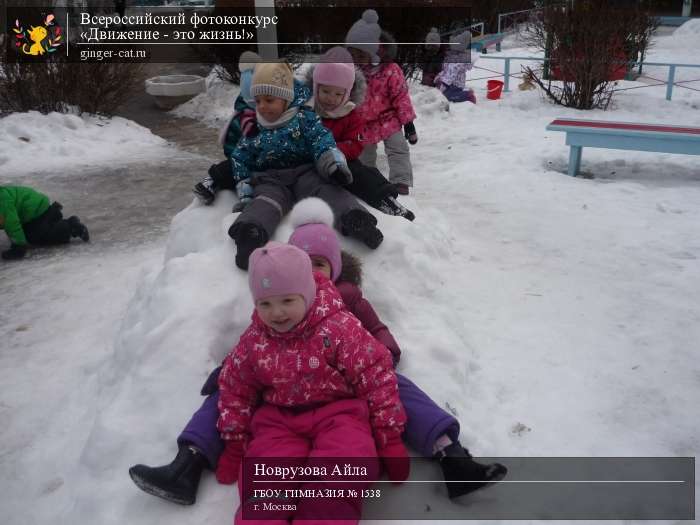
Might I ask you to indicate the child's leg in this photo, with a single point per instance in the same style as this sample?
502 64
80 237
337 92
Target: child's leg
369 184
426 422
258 221
49 228
201 431
279 434
368 157
432 431
350 217
339 430
199 446
218 178
399 157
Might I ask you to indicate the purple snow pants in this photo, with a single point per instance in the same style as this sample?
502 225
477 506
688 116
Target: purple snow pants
425 423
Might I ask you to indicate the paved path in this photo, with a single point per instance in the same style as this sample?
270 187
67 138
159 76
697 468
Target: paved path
134 203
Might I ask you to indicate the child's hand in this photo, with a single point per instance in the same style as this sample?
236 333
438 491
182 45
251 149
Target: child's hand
409 130
395 460
332 166
229 463
241 205
14 253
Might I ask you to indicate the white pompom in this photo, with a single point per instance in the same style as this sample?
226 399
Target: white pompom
370 16
311 210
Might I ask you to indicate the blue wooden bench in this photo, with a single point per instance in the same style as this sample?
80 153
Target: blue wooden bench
480 43
624 135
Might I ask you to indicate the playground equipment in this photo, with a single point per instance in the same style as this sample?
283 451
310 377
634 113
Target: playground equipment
624 135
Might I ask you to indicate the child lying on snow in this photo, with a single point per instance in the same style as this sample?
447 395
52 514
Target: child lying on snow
28 218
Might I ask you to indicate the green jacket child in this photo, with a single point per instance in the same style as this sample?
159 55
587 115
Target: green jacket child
28 218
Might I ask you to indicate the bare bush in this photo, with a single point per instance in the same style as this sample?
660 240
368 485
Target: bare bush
58 85
588 45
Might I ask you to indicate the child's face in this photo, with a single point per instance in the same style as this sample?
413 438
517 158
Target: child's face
271 108
330 97
321 264
281 312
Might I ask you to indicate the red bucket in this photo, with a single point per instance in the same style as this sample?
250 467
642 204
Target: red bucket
493 89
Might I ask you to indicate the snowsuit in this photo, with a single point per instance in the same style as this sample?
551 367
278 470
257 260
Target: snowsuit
278 163
368 182
27 217
426 421
328 390
453 77
387 107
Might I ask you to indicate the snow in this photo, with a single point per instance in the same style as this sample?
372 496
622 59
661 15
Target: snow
32 142
555 315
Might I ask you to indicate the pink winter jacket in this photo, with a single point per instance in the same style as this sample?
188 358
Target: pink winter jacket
326 357
387 106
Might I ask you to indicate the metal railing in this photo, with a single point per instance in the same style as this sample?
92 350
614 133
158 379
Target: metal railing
670 80
476 29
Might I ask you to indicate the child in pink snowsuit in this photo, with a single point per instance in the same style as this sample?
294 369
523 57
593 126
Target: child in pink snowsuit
387 107
327 386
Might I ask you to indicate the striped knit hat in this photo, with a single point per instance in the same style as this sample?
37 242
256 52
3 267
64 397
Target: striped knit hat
273 79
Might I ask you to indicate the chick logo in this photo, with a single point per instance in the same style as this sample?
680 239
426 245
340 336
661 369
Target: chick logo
38 40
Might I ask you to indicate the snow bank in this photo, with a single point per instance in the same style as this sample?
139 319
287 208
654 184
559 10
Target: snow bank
185 319
31 142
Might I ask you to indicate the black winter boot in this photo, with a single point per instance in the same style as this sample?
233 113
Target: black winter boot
458 465
362 225
391 206
248 237
205 191
78 229
176 482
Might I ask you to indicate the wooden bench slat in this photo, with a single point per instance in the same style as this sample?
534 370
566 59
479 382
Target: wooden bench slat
624 126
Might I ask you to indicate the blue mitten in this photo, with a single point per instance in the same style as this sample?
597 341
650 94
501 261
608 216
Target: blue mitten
245 195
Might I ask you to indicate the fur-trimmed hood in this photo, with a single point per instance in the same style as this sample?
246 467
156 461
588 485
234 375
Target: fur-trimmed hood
359 88
351 271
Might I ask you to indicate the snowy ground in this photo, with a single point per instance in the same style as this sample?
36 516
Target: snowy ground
556 316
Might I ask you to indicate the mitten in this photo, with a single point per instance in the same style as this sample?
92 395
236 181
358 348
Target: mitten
245 194
229 463
332 166
211 385
395 460
409 130
241 205
14 252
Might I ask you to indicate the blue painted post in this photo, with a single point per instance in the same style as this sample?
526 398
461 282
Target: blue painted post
506 76
574 160
669 83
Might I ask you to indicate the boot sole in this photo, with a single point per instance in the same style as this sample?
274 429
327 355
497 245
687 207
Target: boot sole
484 485
158 492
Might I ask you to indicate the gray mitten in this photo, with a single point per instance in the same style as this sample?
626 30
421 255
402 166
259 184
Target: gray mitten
332 166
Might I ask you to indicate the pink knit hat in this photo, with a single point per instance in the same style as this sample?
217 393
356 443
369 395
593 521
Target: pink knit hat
312 219
335 69
281 269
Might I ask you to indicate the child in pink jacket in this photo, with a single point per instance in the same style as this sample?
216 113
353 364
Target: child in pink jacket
387 107
327 386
